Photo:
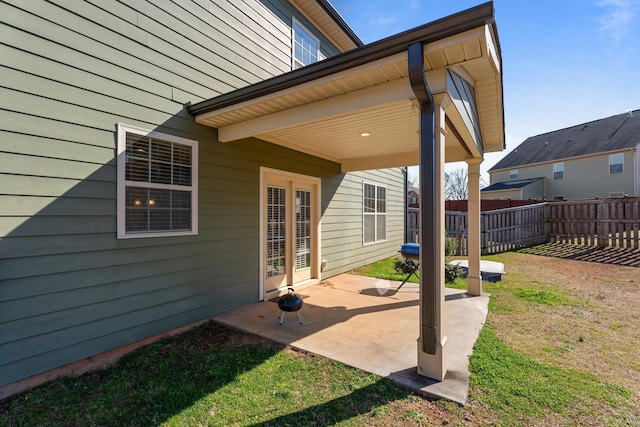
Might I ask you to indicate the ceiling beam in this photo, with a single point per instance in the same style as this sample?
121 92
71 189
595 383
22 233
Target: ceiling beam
373 97
381 162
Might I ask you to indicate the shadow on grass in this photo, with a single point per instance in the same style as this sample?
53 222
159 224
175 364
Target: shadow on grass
145 387
209 375
364 400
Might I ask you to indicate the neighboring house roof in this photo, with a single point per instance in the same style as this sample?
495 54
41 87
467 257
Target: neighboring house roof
413 190
510 185
609 134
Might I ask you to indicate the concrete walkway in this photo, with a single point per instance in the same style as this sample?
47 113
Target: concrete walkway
365 323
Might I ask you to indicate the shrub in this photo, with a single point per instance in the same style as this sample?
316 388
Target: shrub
450 246
451 272
406 266
403 265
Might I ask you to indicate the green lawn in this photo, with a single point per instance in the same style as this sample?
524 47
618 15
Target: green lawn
218 377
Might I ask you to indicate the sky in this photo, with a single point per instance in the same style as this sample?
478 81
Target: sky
565 62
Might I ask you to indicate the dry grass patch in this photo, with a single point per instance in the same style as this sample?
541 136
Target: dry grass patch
574 314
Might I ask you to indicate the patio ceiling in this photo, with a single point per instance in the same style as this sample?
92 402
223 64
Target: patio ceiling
324 109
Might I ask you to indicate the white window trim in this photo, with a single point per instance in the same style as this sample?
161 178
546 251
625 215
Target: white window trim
375 214
122 130
617 163
319 56
558 169
513 174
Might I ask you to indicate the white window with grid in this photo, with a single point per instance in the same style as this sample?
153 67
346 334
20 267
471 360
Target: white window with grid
305 46
616 163
374 212
558 171
513 174
157 184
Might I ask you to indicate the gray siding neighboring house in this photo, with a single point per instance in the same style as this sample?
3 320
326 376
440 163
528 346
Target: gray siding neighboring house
595 159
70 288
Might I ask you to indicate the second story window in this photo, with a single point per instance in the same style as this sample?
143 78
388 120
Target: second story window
558 171
513 174
616 163
305 46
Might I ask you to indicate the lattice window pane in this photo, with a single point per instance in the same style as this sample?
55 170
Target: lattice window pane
276 226
305 46
303 229
369 198
381 205
154 161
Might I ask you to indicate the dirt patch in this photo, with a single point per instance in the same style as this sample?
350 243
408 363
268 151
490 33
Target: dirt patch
608 255
596 329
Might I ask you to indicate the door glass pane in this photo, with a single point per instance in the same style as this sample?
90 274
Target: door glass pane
303 229
276 226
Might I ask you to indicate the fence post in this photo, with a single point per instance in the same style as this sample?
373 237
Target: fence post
635 218
603 230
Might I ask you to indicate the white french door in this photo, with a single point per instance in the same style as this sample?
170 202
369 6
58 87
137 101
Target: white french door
290 229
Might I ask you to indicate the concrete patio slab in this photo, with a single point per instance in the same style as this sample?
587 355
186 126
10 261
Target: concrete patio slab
366 323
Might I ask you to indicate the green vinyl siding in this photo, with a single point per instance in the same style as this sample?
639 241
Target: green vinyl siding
285 13
71 71
342 224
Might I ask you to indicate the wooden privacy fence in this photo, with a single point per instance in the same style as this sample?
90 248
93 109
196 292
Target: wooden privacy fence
501 230
598 222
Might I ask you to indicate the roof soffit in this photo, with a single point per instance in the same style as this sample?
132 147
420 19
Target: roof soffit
325 116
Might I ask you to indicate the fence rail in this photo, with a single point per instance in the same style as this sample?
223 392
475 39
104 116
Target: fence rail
599 222
501 230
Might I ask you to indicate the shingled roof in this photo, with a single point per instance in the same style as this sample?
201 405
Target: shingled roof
510 185
610 134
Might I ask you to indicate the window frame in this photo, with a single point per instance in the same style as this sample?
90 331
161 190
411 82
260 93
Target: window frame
513 174
123 183
621 163
377 215
559 169
295 64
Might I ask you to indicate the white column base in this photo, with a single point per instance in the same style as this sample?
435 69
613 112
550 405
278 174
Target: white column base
433 366
474 285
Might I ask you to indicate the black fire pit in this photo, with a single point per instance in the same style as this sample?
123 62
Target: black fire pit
290 302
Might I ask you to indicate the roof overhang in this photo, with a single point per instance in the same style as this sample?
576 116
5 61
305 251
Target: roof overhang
324 109
327 19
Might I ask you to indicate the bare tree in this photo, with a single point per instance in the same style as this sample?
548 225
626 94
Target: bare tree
412 180
456 185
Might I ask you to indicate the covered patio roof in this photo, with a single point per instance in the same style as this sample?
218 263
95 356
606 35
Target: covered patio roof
358 108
